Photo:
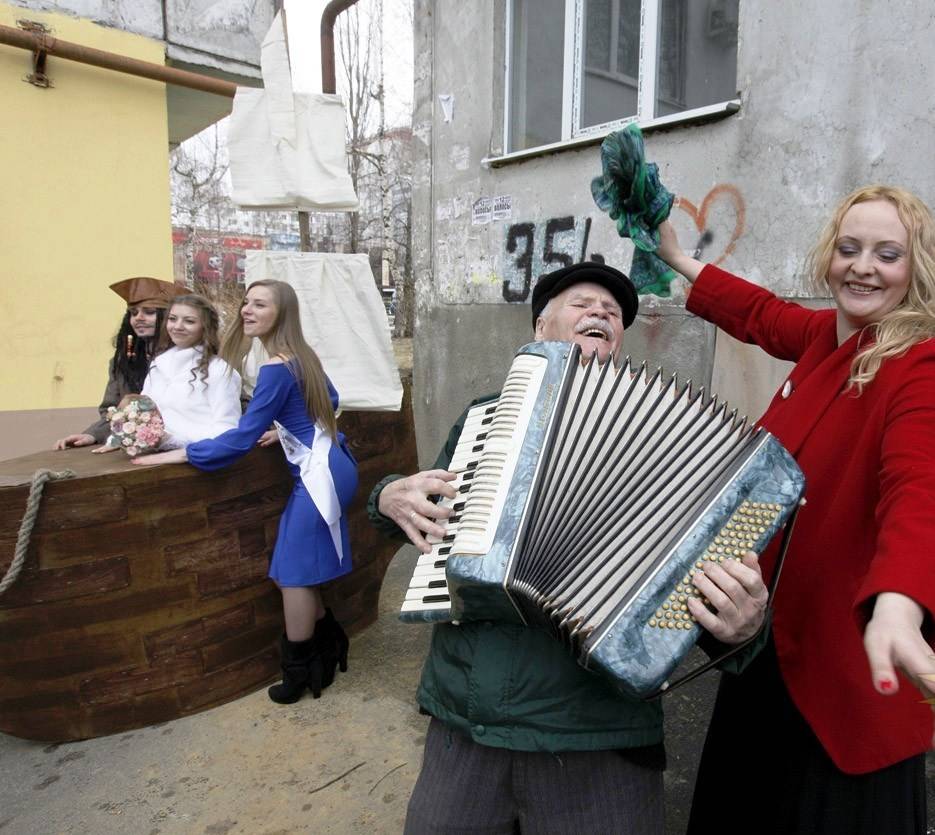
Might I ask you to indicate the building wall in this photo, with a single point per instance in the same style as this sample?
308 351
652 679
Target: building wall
834 95
224 34
825 108
85 203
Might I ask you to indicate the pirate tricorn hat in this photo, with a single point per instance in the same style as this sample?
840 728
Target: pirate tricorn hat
143 291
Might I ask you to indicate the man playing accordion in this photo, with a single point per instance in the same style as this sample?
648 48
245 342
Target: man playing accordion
522 737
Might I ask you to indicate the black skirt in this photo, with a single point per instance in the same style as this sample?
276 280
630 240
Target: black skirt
764 771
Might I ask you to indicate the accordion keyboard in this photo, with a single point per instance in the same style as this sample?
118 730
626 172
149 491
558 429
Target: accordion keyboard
428 589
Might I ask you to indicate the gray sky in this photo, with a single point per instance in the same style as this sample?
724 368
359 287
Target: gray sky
303 21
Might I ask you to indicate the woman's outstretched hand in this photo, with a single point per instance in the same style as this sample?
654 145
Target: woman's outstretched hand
173 456
893 638
671 252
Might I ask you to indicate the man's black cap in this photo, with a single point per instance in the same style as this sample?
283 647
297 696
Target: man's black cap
551 284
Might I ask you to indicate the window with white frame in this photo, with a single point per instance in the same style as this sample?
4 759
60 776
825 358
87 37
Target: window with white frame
577 67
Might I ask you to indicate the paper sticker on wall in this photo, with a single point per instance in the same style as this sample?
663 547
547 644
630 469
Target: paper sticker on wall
503 207
447 101
482 210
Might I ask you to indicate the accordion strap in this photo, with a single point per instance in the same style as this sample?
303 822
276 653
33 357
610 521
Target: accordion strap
668 687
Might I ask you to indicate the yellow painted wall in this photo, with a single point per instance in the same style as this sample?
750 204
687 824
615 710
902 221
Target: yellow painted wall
84 202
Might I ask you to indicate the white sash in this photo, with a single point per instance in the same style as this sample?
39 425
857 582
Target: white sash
316 476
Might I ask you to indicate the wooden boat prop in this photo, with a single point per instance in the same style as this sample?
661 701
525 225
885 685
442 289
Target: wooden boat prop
144 594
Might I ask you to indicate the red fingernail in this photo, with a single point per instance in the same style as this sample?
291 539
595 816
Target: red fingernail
886 684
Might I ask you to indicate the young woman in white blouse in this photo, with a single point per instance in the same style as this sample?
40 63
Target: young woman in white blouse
197 392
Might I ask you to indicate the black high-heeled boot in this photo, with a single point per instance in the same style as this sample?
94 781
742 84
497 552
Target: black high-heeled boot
324 644
301 668
341 641
333 643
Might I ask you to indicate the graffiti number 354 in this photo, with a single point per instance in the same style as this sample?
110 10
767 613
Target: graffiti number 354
561 241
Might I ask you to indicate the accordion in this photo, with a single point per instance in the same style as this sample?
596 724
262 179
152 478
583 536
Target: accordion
587 496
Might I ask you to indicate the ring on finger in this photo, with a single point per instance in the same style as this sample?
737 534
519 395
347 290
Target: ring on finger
412 516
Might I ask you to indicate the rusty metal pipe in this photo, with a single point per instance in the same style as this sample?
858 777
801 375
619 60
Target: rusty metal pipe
328 17
36 42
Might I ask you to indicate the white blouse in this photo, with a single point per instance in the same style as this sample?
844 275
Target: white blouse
193 409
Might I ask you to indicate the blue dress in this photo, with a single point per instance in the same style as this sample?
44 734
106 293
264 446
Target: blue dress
304 554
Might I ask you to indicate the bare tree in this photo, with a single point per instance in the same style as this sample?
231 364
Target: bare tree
386 202
199 193
356 40
379 158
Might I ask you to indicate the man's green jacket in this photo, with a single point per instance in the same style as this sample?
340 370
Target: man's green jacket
510 686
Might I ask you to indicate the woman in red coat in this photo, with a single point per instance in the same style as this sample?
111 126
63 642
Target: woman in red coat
821 734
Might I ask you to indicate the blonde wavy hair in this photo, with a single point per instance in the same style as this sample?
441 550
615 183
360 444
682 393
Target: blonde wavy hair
913 319
286 340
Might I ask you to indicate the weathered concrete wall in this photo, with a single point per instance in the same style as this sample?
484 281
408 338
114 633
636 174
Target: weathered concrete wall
141 17
825 108
223 34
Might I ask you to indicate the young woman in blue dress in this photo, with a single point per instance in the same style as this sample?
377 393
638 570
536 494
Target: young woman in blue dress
312 545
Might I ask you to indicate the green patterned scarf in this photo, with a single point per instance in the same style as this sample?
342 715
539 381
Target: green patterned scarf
630 192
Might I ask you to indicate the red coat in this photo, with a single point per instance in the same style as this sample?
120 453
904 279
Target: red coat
868 525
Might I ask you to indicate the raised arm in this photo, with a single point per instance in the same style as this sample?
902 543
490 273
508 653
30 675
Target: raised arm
742 309
671 252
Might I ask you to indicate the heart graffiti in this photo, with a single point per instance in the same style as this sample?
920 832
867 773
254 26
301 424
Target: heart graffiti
723 195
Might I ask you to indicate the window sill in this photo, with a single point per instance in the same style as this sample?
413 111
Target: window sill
700 115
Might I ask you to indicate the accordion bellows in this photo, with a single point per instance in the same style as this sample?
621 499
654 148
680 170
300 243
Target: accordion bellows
590 495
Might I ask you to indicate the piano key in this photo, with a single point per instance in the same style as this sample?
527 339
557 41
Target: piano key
423 593
434 581
427 571
431 559
423 606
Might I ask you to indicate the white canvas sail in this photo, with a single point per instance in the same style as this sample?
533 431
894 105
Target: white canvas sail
287 149
343 319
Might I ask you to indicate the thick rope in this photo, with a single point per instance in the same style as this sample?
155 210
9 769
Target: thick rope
29 520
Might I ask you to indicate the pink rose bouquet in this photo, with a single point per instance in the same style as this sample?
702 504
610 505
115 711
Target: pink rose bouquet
136 425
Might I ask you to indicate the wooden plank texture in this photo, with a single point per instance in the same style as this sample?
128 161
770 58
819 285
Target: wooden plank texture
145 596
